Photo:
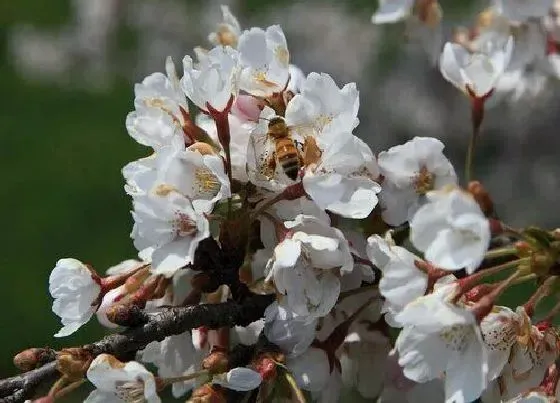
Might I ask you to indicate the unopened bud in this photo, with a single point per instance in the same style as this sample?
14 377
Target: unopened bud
208 394
266 367
33 358
216 362
482 197
73 363
247 108
136 280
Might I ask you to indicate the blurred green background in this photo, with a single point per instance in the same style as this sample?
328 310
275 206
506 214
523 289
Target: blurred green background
63 140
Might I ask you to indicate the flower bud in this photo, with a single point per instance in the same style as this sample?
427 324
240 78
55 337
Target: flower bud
216 362
33 358
73 363
136 280
247 108
266 367
482 197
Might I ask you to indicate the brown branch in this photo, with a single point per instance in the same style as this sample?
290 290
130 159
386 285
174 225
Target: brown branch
170 321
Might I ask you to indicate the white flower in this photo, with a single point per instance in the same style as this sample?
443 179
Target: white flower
228 30
175 356
311 370
200 178
402 282
332 390
131 381
499 331
363 271
362 357
410 171
343 181
170 225
160 107
399 389
305 266
475 73
451 230
240 132
265 60
240 379
288 330
288 210
75 292
324 108
530 358
522 10
439 337
392 11
215 80
552 22
297 79
422 19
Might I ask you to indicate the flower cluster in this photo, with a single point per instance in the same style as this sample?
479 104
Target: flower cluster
384 273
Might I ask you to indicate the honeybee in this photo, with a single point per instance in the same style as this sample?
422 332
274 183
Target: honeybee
286 153
278 148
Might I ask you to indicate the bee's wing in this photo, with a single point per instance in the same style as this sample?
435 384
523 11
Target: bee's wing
260 157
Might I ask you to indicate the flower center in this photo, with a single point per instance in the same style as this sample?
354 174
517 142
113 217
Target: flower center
456 337
260 77
160 104
423 181
207 185
321 121
131 392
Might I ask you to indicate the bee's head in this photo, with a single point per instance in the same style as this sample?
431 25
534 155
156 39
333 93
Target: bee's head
277 126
